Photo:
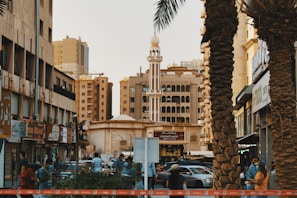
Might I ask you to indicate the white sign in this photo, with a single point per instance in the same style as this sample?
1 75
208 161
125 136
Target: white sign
152 150
261 96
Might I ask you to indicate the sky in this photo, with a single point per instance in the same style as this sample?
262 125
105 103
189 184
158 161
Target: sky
118 34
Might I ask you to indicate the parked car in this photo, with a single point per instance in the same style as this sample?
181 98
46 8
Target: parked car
196 176
188 162
68 170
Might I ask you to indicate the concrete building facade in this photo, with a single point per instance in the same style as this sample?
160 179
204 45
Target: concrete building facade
94 98
71 56
36 110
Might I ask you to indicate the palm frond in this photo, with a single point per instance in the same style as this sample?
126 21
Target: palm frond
2 7
166 11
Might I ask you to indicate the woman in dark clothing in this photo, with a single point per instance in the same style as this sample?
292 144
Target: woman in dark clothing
176 181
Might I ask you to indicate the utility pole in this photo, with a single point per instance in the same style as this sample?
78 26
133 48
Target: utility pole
76 143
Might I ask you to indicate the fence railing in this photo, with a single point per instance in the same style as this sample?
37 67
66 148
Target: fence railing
207 192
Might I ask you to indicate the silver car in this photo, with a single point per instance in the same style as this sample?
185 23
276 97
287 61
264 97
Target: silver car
196 176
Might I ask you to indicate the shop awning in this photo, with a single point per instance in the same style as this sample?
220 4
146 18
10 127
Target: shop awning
173 142
244 96
252 138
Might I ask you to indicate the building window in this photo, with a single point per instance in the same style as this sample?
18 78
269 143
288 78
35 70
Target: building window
83 93
132 89
58 81
9 5
41 28
50 33
132 99
131 110
83 86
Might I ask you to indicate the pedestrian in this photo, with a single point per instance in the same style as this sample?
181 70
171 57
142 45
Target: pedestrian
97 163
151 174
129 172
44 176
176 181
118 165
261 178
138 178
251 172
272 183
27 178
21 166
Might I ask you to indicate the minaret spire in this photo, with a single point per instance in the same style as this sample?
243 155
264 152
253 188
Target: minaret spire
154 91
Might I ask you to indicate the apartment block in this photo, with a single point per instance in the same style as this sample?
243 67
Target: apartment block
71 56
94 98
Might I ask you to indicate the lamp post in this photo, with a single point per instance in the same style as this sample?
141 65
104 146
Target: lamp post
76 143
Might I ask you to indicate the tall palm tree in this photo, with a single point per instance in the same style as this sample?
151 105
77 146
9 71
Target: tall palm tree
2 7
221 25
276 21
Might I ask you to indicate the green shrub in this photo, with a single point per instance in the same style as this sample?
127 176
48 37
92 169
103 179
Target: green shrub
92 181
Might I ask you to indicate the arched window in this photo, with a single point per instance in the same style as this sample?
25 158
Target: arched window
144 99
183 98
183 109
163 99
168 109
168 88
187 98
173 110
183 88
187 88
173 88
163 110
178 88
187 119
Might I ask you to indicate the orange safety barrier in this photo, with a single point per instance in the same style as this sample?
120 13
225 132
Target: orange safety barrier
166 192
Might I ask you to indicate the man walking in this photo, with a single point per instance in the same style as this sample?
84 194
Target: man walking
44 176
97 163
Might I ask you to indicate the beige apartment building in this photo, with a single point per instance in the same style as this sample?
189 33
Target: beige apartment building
94 98
180 101
71 56
36 110
245 47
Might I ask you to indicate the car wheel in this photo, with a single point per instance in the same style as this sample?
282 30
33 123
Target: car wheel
199 184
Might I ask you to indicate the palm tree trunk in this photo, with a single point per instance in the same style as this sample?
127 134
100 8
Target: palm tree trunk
221 25
283 107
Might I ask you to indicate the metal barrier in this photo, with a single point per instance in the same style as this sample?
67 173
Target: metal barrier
166 192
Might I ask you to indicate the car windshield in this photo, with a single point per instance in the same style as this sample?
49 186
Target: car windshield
198 170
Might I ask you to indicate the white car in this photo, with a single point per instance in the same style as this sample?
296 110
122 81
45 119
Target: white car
195 175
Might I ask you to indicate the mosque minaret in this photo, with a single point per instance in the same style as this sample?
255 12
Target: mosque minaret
154 91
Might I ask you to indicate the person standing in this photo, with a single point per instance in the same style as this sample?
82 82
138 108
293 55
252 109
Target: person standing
176 181
27 179
97 163
261 178
22 165
138 178
129 172
118 165
44 176
151 174
251 172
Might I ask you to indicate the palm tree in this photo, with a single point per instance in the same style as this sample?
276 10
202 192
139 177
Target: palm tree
276 21
2 7
221 25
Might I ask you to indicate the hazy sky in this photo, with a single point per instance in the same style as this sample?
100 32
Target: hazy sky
118 33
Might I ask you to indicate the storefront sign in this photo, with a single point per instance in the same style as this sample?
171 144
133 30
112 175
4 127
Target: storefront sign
171 135
35 129
260 60
261 96
5 114
53 132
